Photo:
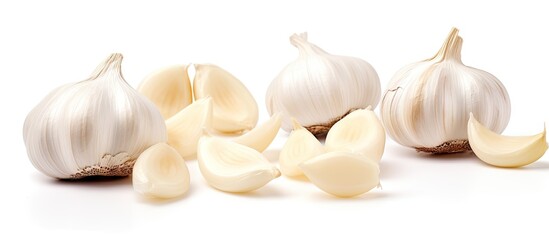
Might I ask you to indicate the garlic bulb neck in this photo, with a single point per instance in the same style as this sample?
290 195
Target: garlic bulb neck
112 66
305 47
451 49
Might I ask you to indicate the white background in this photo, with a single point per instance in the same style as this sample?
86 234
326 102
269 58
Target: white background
44 44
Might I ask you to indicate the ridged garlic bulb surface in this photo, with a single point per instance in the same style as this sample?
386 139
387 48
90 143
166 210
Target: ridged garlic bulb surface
318 88
427 104
98 126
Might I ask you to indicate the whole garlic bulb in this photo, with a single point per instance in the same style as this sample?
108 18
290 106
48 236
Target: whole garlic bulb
427 104
318 88
98 126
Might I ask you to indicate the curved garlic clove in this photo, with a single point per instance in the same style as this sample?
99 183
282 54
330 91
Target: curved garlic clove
427 104
231 167
160 172
359 132
186 127
169 89
505 151
342 174
260 137
301 146
235 109
318 88
95 127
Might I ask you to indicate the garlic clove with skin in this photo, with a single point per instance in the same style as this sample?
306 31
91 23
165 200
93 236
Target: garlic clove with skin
235 109
186 127
342 174
232 167
427 104
505 151
300 146
169 89
263 135
160 172
318 88
359 132
95 127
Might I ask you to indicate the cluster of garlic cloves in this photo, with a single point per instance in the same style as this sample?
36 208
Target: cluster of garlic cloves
348 164
95 127
427 104
318 88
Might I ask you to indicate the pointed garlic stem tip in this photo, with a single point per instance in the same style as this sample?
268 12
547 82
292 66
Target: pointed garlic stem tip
301 43
112 63
451 49
296 124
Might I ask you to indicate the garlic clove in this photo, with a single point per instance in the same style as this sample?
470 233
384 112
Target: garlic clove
235 109
318 88
232 167
505 151
95 127
261 136
186 127
160 172
359 132
427 104
301 146
342 174
169 89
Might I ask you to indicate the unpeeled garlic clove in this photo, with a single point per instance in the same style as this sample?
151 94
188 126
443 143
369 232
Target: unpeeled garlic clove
301 146
232 167
169 89
263 135
235 109
160 172
186 127
359 132
504 151
342 174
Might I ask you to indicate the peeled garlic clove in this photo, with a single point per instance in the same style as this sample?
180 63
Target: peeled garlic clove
342 174
160 172
359 132
235 109
96 127
505 151
231 167
427 104
301 146
263 135
169 89
186 127
318 88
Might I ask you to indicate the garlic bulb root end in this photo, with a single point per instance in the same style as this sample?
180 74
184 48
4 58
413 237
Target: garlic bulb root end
454 146
322 129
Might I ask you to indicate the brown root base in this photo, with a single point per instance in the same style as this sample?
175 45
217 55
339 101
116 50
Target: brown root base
454 146
322 129
120 170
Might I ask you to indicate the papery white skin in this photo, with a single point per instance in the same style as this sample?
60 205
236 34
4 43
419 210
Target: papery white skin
98 126
232 167
318 88
428 103
160 172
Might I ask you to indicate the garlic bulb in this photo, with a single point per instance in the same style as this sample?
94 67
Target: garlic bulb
234 107
427 104
319 88
169 89
98 126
